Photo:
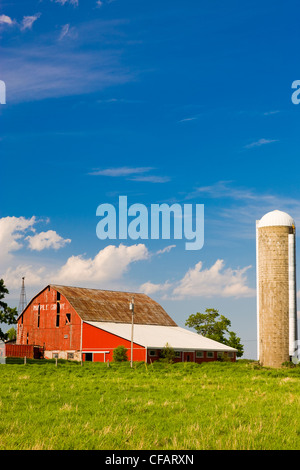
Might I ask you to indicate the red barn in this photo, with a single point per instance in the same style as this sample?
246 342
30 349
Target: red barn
74 322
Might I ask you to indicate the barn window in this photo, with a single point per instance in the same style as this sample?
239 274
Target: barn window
58 307
177 354
27 338
230 354
39 314
58 296
70 355
210 354
57 319
199 354
55 355
68 318
89 357
152 352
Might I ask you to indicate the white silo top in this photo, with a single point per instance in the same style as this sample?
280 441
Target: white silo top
276 218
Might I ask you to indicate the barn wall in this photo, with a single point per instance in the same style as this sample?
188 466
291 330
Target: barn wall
95 339
64 337
187 356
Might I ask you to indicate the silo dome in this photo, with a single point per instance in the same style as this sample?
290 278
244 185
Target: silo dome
274 218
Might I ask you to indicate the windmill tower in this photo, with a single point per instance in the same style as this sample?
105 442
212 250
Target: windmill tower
23 300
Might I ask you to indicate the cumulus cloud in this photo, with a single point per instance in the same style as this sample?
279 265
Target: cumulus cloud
17 233
12 231
20 233
4 19
44 240
34 275
109 264
215 281
150 288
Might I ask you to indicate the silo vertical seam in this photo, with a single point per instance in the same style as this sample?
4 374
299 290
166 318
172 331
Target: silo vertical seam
257 290
292 295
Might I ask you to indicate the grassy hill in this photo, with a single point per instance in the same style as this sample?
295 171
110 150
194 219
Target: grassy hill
224 406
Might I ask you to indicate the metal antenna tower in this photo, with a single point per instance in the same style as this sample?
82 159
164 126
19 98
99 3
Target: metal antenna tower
23 300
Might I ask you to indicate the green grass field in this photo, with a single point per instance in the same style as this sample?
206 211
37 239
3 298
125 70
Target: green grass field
222 406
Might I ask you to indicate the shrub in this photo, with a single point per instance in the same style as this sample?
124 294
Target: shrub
120 354
167 354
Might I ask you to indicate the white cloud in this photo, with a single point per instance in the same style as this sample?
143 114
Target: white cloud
12 231
215 281
243 205
132 174
151 179
109 264
167 249
150 288
34 276
15 233
64 31
269 113
6 20
44 240
188 119
122 171
28 21
64 2
197 282
67 31
259 143
40 71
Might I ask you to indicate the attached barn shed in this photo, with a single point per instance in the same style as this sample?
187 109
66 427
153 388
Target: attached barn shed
73 322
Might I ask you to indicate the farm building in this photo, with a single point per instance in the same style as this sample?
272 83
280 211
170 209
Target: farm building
75 323
11 349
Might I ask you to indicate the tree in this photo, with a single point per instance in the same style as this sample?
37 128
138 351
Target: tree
215 326
235 342
7 315
11 334
120 354
167 353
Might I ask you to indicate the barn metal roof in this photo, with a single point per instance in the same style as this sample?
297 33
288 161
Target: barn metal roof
113 306
156 336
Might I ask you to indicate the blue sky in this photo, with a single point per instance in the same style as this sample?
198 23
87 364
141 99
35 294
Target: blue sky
175 102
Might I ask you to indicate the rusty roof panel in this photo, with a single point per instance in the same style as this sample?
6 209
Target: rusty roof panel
113 306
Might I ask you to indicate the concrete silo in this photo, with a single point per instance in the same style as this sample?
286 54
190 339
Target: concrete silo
276 288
